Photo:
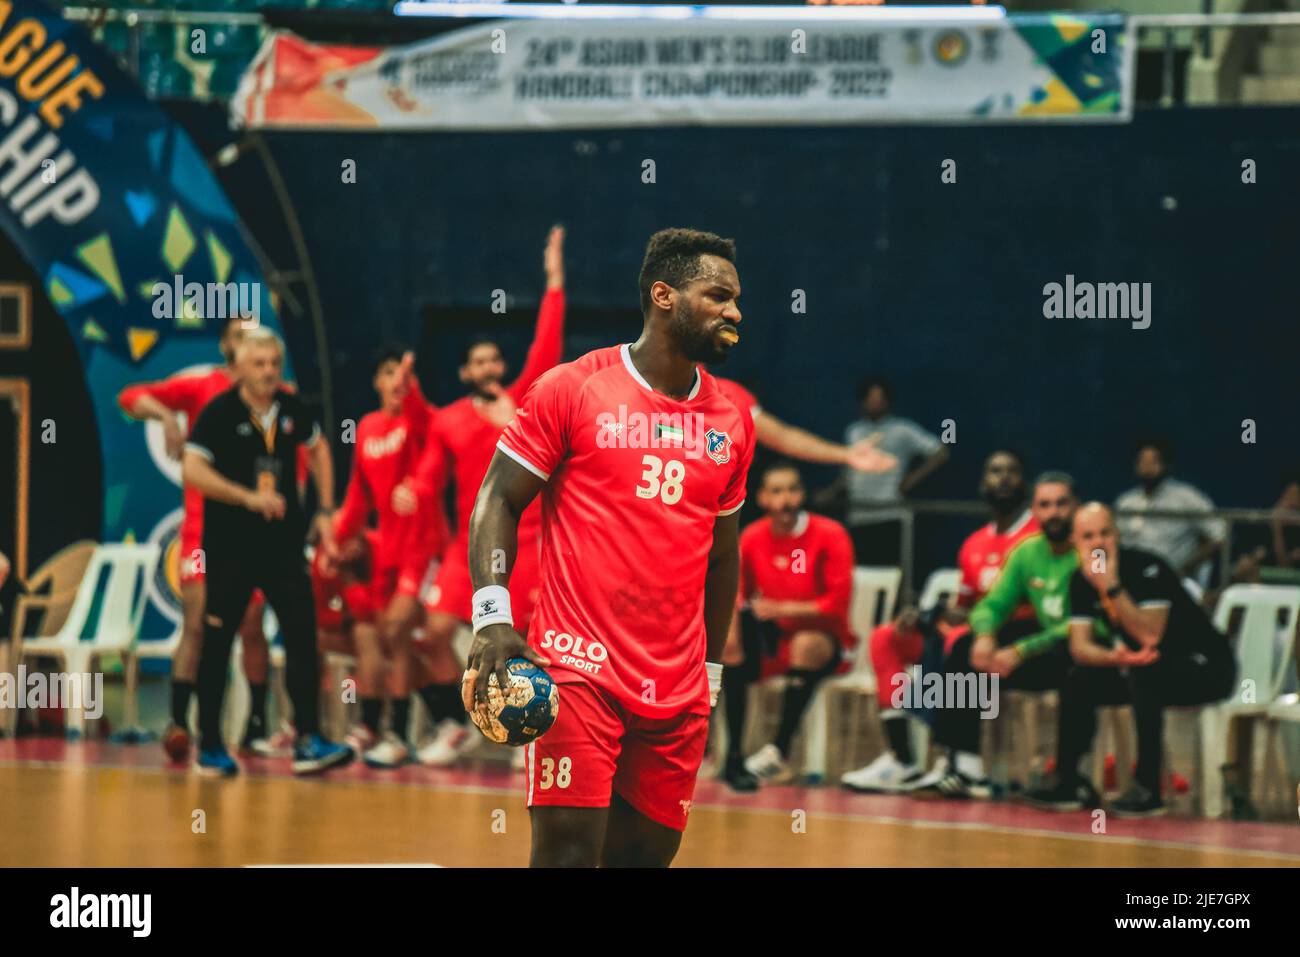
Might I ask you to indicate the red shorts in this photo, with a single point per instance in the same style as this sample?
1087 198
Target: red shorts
385 583
452 591
191 539
597 748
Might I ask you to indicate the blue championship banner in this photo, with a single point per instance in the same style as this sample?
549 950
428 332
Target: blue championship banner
557 67
116 210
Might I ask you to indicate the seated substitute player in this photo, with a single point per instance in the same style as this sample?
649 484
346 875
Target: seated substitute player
187 393
899 644
461 444
241 456
796 579
389 443
1137 635
345 623
641 564
1025 654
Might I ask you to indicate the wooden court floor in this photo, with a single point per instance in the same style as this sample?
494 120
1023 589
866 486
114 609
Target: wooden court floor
89 805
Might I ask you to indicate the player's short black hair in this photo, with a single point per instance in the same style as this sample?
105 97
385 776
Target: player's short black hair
1153 440
672 255
1055 477
779 465
388 352
875 382
474 344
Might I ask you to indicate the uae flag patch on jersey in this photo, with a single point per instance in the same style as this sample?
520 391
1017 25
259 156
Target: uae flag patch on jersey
669 433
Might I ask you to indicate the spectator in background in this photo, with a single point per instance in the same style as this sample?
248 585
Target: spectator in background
1185 543
1286 524
874 527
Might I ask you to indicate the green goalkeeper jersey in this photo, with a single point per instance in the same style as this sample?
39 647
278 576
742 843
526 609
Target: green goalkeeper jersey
1032 572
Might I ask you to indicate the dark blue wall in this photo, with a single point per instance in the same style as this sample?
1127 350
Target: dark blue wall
938 286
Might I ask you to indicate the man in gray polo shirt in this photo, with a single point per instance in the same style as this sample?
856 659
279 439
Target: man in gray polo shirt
1185 543
875 531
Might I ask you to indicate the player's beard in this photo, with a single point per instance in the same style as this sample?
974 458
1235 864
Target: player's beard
695 340
1005 503
1057 530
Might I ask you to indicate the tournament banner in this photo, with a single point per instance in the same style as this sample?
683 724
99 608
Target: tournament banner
136 246
559 72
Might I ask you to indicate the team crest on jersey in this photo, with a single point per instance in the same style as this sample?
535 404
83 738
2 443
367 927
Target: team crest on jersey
718 446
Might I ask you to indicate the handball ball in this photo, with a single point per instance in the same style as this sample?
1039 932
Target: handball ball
525 712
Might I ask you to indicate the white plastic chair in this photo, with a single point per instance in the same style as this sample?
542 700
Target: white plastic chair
1258 661
875 594
125 596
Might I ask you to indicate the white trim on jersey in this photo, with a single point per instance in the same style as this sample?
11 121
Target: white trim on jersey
530 759
731 511
544 476
201 450
625 351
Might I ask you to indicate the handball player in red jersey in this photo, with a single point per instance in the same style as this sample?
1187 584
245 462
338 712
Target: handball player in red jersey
389 443
187 393
461 443
640 460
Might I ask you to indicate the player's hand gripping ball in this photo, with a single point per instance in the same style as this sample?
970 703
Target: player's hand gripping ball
525 712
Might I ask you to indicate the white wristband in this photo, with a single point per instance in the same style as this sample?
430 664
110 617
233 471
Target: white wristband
491 606
714 670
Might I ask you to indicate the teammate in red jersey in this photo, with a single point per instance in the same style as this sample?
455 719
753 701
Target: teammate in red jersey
641 462
389 443
796 579
345 623
796 443
896 645
186 394
461 444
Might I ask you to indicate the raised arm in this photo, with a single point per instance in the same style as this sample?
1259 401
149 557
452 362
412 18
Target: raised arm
159 401
548 337
797 443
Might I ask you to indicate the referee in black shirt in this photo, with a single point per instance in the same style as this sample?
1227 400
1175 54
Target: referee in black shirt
242 455
1136 635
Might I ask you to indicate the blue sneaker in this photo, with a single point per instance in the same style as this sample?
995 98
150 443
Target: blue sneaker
314 753
216 763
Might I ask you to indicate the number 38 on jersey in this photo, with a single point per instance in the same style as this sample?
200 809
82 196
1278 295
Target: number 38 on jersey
661 479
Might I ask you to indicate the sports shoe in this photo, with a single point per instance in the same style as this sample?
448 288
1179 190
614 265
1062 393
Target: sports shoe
937 773
176 743
767 764
359 738
451 742
1063 795
885 775
216 763
738 777
955 785
391 752
315 753
1138 801
278 745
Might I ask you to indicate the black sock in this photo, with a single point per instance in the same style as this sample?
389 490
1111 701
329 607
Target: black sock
400 717
735 689
372 712
799 689
443 702
898 734
181 692
257 706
